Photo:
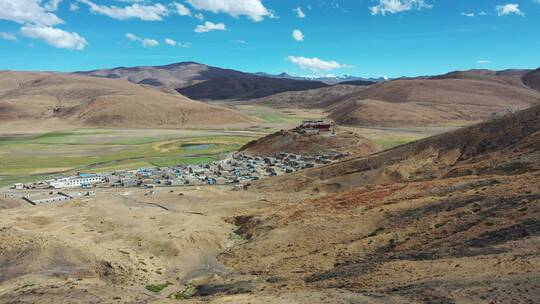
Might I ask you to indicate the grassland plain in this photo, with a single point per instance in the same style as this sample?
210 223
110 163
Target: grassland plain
32 156
26 158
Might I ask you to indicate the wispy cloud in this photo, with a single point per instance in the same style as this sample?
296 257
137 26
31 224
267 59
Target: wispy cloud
73 7
55 37
509 9
145 42
153 12
52 5
7 36
181 9
300 14
253 9
172 42
396 6
298 35
210 26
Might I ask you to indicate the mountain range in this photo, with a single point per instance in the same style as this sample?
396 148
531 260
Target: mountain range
456 98
164 96
329 79
203 82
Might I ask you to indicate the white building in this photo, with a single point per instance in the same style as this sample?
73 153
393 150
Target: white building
76 182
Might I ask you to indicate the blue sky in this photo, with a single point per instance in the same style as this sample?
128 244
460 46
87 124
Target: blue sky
357 37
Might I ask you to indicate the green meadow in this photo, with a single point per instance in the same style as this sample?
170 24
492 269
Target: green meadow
28 158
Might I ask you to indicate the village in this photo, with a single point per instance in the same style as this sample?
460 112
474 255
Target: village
236 169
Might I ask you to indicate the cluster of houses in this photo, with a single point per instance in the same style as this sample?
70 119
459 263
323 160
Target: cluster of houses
237 168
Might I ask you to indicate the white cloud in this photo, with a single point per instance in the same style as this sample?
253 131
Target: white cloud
27 12
300 13
73 7
145 42
199 16
132 37
482 13
467 14
210 26
508 9
298 35
170 42
253 9
55 37
37 22
483 61
154 12
181 9
7 36
395 6
315 64
52 5
149 43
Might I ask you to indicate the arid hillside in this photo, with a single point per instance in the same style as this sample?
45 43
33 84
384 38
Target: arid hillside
316 98
510 144
453 99
511 77
532 79
423 102
304 144
203 82
91 101
451 219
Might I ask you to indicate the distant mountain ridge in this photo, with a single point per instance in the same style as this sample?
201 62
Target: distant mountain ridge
329 79
455 98
203 82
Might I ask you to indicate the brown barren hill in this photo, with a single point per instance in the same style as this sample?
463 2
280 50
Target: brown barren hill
450 219
532 79
425 102
91 101
297 143
511 76
315 98
506 145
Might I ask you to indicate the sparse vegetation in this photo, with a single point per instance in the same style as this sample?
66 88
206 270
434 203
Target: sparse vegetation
375 232
157 288
185 294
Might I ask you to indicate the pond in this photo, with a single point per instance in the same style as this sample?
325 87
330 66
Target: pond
197 146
